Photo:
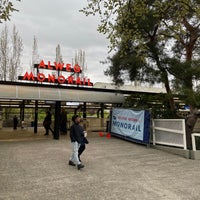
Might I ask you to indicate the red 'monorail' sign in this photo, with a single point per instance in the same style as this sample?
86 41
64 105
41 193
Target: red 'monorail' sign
60 79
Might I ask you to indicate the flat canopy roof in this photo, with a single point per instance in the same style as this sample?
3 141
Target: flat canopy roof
31 91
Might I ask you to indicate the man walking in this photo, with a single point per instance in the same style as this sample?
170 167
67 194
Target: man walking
75 135
47 123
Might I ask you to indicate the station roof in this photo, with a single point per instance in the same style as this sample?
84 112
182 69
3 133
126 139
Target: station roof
31 91
131 88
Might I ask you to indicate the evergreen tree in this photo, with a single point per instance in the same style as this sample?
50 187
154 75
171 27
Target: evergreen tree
158 33
6 8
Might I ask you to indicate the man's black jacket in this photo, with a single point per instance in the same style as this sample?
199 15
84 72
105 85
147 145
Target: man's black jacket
75 133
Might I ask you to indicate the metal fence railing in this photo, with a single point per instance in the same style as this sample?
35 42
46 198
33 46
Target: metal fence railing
170 132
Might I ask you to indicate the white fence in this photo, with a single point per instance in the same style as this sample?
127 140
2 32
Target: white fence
170 132
194 135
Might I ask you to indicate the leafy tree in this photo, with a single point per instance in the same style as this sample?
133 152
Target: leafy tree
159 33
6 8
158 105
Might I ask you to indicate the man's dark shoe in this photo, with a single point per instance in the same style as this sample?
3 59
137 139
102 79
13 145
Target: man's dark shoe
80 166
71 163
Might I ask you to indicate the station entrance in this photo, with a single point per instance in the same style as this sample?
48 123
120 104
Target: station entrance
31 100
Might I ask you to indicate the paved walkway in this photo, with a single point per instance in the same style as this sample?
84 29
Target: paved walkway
35 167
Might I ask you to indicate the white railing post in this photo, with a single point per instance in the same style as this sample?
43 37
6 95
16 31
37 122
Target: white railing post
184 135
193 142
153 129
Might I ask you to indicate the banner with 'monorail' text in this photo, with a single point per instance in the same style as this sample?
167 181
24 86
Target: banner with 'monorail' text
131 124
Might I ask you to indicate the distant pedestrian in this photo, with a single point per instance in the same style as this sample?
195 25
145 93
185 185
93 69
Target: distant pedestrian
15 122
47 123
75 135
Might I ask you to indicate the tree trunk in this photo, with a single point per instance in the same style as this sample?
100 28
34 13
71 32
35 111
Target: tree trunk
189 47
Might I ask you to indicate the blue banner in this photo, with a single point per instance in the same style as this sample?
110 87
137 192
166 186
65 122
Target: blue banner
131 124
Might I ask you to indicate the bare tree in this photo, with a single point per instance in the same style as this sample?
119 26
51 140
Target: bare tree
15 56
10 54
80 60
59 58
35 54
4 51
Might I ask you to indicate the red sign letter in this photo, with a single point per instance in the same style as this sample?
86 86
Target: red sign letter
70 79
68 67
27 76
42 65
49 65
51 78
61 79
89 84
58 66
40 77
77 68
78 81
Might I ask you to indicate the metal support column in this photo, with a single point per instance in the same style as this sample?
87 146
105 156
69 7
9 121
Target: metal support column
22 111
102 110
102 114
36 117
84 116
57 120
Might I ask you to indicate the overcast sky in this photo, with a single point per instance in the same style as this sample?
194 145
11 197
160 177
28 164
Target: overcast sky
60 22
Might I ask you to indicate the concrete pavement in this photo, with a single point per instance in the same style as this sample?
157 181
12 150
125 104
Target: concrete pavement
36 167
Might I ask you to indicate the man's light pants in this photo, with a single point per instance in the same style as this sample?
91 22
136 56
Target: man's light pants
74 156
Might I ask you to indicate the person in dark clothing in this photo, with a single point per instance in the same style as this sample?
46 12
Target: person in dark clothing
75 135
15 122
47 123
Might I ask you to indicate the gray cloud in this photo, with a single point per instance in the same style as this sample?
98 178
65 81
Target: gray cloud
60 22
